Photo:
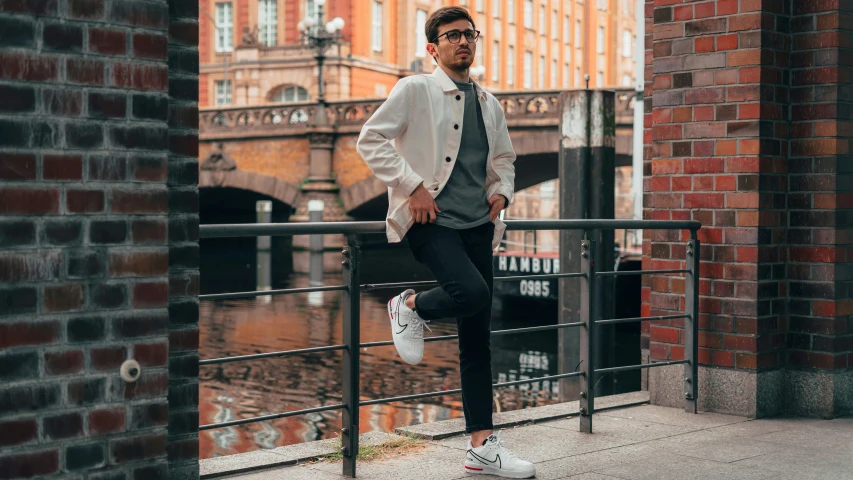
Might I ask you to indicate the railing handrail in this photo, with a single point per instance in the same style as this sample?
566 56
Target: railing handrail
376 227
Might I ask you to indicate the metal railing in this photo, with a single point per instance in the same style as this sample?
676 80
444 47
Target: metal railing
590 297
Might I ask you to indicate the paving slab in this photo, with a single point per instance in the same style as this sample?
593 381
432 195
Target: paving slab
448 428
590 462
664 466
435 463
624 429
708 445
674 416
536 443
803 463
590 476
295 472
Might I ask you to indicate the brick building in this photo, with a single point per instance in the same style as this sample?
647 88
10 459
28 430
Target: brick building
526 44
747 117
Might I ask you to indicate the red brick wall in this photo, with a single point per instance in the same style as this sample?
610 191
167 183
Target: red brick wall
90 263
743 133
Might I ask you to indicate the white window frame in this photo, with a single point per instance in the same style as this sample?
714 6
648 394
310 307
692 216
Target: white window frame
481 7
567 30
420 33
627 80
224 12
222 90
268 22
376 26
510 66
578 77
541 75
567 76
578 34
599 79
555 24
528 14
291 93
627 44
553 74
510 11
543 17
311 9
528 70
496 61
602 5
496 8
599 40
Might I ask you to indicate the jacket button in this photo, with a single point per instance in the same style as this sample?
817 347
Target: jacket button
458 97
456 127
447 159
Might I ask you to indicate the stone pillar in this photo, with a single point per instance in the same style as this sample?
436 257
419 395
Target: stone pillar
320 185
743 100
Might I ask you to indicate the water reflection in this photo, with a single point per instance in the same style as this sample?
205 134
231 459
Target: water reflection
286 322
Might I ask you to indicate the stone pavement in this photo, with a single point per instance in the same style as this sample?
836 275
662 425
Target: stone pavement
637 443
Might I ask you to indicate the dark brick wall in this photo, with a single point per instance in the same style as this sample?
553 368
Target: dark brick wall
747 104
89 271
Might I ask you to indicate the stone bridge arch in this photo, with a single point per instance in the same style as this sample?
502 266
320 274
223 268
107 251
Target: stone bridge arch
272 187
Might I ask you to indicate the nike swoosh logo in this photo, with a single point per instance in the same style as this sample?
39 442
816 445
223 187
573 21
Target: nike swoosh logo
486 461
402 327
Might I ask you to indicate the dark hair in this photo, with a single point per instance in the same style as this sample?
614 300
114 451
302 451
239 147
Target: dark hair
443 16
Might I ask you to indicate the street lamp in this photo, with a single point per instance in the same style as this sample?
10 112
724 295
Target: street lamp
319 37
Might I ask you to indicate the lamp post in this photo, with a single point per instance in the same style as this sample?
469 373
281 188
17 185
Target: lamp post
319 37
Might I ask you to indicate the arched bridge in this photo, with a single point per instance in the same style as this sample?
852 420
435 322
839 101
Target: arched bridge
268 149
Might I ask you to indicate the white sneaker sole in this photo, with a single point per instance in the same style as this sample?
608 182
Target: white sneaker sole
392 312
487 470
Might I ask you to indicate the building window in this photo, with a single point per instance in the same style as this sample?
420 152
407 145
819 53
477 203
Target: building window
479 57
542 25
553 74
496 61
480 6
510 66
223 92
599 79
224 27
627 44
311 9
420 33
268 22
464 3
528 70
496 8
377 26
292 93
599 40
578 34
567 37
567 76
602 5
555 25
578 79
510 11
528 14
627 81
541 79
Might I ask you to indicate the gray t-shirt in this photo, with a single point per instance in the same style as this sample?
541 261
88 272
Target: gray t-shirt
463 201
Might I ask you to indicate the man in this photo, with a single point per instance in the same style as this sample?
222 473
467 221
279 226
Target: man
441 145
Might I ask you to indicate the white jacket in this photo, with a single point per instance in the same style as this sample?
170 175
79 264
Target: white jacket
414 137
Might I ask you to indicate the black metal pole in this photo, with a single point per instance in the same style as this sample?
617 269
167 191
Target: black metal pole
351 338
588 314
691 326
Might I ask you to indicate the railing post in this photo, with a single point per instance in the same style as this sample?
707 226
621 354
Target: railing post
588 314
691 326
351 338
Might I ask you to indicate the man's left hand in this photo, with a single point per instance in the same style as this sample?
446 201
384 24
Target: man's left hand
496 204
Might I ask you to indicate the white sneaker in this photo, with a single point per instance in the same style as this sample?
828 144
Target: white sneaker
494 459
407 327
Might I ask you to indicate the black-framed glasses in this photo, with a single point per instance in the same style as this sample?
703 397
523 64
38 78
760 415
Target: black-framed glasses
454 36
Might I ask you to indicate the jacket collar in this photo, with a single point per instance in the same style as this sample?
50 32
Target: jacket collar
448 85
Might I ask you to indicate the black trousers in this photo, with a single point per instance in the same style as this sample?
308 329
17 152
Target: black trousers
461 261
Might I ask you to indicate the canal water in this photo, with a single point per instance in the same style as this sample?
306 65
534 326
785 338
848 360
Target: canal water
286 322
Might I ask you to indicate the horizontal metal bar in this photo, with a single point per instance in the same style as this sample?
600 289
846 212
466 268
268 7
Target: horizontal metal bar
640 367
261 293
537 329
272 417
351 228
638 272
257 356
639 319
493 332
430 283
452 392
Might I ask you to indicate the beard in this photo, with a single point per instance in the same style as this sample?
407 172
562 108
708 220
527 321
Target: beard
454 61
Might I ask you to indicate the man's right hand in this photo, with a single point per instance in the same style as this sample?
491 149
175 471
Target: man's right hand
422 205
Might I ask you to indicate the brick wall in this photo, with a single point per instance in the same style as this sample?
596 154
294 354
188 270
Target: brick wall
743 106
90 263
